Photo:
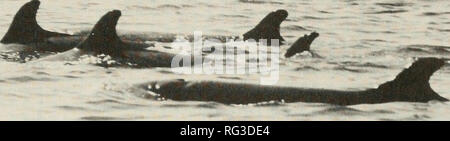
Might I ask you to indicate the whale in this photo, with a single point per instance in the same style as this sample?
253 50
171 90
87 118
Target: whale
27 37
103 40
302 44
410 85
25 30
268 28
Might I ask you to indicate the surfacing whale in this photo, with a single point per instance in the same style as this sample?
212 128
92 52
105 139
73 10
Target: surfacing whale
302 44
103 40
268 28
25 30
411 85
33 39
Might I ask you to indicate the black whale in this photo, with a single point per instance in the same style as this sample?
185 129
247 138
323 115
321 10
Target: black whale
25 30
103 40
411 85
268 28
302 44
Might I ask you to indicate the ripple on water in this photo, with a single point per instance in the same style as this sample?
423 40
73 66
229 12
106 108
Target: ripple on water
41 73
270 104
70 76
313 18
169 6
143 7
235 16
345 68
434 13
102 118
175 105
418 117
383 112
28 79
74 108
387 12
439 29
306 68
393 5
209 105
374 40
325 12
344 110
114 102
341 110
362 64
260 2
427 49
294 28
232 78
166 72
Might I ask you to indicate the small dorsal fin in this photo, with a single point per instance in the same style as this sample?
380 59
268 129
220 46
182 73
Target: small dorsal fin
302 44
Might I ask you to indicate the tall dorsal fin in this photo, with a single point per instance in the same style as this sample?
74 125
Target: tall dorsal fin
24 28
268 28
412 83
103 38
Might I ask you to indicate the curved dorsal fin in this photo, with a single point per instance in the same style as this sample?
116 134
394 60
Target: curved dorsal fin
103 38
24 28
412 83
268 28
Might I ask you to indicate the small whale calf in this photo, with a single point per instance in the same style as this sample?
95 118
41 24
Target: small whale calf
301 45
411 85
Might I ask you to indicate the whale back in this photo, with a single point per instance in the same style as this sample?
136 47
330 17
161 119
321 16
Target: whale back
24 28
268 28
411 85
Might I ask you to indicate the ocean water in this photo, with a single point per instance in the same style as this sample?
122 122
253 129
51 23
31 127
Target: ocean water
363 43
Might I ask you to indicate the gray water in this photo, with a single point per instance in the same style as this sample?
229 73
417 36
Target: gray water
364 43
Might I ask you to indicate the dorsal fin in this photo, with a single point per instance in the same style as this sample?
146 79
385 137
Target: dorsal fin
302 44
103 38
24 28
412 83
268 28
